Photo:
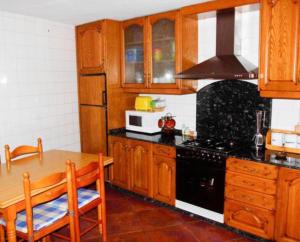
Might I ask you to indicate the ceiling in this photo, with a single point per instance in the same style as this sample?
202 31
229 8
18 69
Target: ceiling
81 11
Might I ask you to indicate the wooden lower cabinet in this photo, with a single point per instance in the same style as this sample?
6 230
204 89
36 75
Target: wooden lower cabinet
251 182
288 206
140 173
144 168
164 179
121 167
250 196
258 199
249 218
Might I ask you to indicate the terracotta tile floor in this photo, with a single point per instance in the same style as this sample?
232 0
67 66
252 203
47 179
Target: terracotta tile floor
131 219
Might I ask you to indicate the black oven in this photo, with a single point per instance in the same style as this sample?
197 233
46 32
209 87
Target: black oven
200 178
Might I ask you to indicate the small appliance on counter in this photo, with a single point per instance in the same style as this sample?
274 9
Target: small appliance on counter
143 103
158 105
145 122
167 124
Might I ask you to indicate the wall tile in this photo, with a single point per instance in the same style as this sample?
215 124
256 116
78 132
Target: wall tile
38 87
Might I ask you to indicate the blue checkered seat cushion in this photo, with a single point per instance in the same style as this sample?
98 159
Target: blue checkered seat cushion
85 196
43 216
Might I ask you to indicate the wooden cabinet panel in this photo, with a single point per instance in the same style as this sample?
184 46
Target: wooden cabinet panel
163 54
250 182
92 90
253 198
140 158
98 51
252 168
288 213
120 174
164 150
138 168
134 54
249 218
250 200
90 49
279 62
164 179
93 129
164 60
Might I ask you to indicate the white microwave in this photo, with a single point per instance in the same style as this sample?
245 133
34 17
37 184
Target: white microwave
145 122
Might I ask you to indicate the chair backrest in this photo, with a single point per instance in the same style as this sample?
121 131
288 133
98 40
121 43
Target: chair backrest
22 150
57 186
93 172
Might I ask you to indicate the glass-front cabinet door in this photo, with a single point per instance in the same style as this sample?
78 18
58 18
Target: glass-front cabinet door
133 66
163 46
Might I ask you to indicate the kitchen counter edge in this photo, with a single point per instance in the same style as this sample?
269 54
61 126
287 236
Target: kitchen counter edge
269 157
157 138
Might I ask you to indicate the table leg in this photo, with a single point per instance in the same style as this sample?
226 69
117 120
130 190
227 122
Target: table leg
10 217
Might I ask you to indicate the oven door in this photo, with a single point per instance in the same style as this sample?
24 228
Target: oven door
200 183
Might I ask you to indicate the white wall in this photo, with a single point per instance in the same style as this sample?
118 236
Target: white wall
285 113
38 87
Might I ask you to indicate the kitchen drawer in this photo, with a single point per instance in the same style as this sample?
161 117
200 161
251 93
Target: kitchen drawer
248 218
251 182
164 150
252 168
254 198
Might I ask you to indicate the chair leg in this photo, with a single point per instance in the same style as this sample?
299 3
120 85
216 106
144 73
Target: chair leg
46 239
2 234
102 218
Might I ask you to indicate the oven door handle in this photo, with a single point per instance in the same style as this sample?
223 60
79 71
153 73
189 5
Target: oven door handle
208 184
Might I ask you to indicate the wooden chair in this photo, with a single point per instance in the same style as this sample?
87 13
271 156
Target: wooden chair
22 150
42 214
19 151
86 199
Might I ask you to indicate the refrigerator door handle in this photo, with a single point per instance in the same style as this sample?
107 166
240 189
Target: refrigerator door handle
104 101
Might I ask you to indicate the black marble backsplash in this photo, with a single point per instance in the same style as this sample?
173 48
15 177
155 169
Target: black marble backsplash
226 110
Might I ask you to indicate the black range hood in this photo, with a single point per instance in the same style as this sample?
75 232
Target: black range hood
225 65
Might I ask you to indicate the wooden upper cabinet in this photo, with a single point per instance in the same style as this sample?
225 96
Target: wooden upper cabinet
90 51
288 206
163 65
141 156
153 50
279 61
133 52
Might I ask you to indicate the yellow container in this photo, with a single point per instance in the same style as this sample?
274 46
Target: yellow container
143 103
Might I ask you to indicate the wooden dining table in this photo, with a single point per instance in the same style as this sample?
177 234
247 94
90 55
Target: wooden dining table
38 166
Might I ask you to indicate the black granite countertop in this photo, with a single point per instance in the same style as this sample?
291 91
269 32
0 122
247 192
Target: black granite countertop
290 160
158 138
271 157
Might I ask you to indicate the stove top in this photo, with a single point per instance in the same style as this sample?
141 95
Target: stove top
212 145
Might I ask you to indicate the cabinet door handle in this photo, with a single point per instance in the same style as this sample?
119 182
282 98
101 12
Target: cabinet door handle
104 101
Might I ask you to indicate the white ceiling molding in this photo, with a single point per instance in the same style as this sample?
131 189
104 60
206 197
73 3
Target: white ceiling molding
81 11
